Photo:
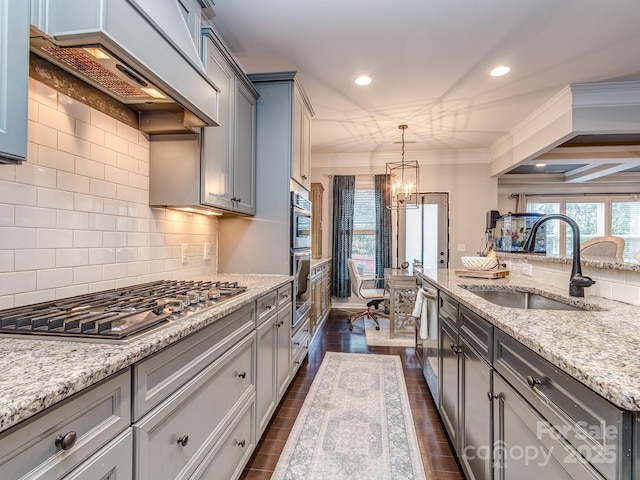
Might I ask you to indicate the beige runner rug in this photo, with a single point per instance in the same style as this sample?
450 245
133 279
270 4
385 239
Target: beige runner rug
354 424
380 338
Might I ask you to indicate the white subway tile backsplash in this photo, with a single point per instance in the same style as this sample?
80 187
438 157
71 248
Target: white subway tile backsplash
88 203
89 133
127 132
128 194
116 175
75 217
49 157
72 257
103 121
114 239
17 282
7 215
71 220
89 274
101 256
7 261
48 197
102 222
103 155
35 217
54 238
16 193
73 183
43 94
51 117
16 238
37 296
89 168
102 188
114 271
74 108
54 278
87 238
74 145
116 143
34 174
626 294
632 278
34 259
42 135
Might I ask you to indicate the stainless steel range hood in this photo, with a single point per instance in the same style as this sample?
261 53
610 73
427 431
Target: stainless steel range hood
143 53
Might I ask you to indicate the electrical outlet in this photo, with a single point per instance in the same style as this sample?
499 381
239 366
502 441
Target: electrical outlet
184 252
462 247
507 264
207 251
527 269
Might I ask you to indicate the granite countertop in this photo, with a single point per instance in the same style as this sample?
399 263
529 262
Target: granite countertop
585 262
598 347
37 373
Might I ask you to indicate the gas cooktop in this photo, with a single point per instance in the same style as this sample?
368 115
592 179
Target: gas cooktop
117 314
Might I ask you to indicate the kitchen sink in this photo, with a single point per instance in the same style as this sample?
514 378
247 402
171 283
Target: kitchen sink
524 300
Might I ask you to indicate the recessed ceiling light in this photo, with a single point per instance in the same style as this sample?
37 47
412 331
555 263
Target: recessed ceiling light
499 71
541 164
363 80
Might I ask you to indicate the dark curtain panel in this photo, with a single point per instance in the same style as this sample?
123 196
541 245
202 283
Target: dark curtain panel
383 224
344 187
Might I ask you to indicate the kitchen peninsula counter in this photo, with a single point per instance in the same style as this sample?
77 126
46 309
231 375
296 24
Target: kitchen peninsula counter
38 373
598 347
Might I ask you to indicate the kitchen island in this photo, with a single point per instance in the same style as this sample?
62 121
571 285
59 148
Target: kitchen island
561 384
38 373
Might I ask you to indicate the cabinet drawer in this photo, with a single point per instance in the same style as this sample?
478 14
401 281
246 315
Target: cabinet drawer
229 457
477 332
447 307
300 345
112 462
173 439
284 295
595 427
95 415
158 376
266 305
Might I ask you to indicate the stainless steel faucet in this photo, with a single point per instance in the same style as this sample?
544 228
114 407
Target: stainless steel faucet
577 281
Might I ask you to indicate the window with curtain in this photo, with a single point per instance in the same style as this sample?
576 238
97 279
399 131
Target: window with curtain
363 247
596 216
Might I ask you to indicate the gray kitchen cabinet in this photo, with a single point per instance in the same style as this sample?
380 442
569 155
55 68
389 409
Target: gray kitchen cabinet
295 119
464 383
14 62
526 446
274 352
593 431
300 341
56 441
174 438
228 151
112 462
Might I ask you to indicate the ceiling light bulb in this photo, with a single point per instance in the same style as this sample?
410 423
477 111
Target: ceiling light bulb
499 71
363 80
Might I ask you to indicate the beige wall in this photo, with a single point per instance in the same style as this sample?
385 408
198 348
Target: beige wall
471 193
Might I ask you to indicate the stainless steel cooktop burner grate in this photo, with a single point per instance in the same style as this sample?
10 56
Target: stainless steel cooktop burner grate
116 314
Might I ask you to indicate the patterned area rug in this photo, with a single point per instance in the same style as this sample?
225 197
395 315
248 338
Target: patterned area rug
354 424
380 338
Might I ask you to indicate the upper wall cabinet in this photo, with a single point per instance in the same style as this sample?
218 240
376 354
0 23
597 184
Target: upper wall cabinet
297 120
14 71
228 151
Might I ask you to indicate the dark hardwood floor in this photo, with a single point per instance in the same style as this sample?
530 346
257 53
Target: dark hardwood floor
437 456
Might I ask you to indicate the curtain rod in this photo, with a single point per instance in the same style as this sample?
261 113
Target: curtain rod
355 175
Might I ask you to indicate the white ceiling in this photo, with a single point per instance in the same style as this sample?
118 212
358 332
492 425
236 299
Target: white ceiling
430 62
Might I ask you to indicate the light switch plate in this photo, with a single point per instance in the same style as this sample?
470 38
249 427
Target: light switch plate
527 269
184 252
462 247
207 251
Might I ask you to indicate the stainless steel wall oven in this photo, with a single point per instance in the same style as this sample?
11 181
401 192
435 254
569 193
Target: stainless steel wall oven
301 254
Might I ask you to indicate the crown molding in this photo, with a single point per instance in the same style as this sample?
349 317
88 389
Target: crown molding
372 159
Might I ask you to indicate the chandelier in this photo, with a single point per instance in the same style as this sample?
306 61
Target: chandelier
405 181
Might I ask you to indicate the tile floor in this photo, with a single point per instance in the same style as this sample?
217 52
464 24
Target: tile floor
437 456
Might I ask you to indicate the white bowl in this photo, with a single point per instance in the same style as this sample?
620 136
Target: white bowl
479 263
